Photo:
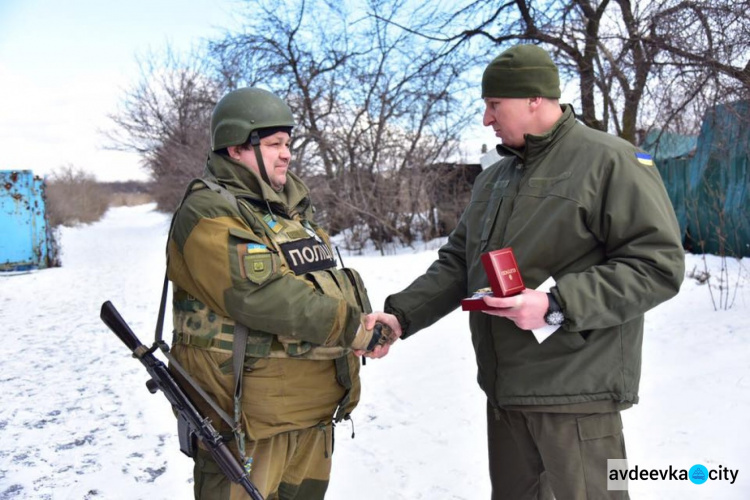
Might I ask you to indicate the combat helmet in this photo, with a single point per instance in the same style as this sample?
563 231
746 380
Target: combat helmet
242 113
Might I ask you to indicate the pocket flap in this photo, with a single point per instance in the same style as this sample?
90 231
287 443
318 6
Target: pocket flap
325 283
599 425
245 235
546 182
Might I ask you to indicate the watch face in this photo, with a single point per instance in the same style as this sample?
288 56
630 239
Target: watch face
555 318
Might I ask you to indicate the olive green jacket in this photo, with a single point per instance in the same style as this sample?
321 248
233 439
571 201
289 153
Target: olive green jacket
228 265
578 205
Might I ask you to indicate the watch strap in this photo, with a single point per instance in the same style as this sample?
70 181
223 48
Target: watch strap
554 306
554 314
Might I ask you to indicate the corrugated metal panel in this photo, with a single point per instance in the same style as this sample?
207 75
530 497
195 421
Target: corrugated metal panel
673 155
24 243
719 182
666 145
708 179
674 173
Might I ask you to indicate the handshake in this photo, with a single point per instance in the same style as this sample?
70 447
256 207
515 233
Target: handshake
376 333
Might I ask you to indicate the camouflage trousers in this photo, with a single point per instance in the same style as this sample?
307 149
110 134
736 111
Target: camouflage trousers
533 454
294 465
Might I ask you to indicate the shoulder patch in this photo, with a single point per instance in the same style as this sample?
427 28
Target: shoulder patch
257 266
644 159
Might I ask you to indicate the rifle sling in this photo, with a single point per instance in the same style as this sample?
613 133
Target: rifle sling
239 344
173 362
233 424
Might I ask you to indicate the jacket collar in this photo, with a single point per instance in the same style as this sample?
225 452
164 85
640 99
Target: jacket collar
536 145
243 182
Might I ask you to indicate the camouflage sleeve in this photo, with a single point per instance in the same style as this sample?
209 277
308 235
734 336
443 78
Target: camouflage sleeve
223 263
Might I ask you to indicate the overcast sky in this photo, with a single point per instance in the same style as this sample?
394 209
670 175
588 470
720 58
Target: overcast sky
64 65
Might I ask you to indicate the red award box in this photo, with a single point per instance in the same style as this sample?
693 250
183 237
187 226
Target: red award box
502 271
504 276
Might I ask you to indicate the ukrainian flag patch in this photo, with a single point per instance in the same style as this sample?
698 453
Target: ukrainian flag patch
272 223
256 248
644 159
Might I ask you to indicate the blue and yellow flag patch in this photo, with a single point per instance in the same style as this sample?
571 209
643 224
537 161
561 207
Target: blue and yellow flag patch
644 159
256 248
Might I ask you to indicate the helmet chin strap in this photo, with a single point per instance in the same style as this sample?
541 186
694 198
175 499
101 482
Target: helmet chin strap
255 141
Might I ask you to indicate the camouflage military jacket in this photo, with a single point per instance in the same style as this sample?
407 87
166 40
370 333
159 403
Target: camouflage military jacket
257 257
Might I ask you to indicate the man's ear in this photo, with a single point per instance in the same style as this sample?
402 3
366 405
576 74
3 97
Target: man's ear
234 152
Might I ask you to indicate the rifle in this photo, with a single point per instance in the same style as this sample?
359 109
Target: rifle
192 425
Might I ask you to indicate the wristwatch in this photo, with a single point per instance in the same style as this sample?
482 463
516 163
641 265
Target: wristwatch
554 315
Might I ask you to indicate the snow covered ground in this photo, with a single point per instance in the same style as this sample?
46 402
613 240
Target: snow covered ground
76 421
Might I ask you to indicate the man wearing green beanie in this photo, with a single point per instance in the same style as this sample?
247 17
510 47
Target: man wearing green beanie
590 211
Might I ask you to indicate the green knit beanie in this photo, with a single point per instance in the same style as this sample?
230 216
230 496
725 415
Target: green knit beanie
521 71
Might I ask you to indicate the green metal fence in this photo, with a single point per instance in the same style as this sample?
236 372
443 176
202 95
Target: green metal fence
708 180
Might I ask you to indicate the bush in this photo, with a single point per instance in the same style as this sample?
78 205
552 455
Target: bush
74 196
128 193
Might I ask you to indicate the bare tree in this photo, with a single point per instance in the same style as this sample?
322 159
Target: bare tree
375 107
165 117
702 58
638 63
373 103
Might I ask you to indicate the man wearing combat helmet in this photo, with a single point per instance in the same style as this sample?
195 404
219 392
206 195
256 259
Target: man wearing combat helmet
251 268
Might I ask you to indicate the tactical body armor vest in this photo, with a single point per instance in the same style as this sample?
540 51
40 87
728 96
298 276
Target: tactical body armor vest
286 245
290 246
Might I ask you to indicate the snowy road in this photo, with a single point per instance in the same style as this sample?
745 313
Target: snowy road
76 421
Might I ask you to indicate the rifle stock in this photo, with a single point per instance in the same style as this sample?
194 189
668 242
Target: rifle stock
188 414
114 321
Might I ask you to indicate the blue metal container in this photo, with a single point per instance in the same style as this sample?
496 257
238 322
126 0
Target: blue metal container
25 238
